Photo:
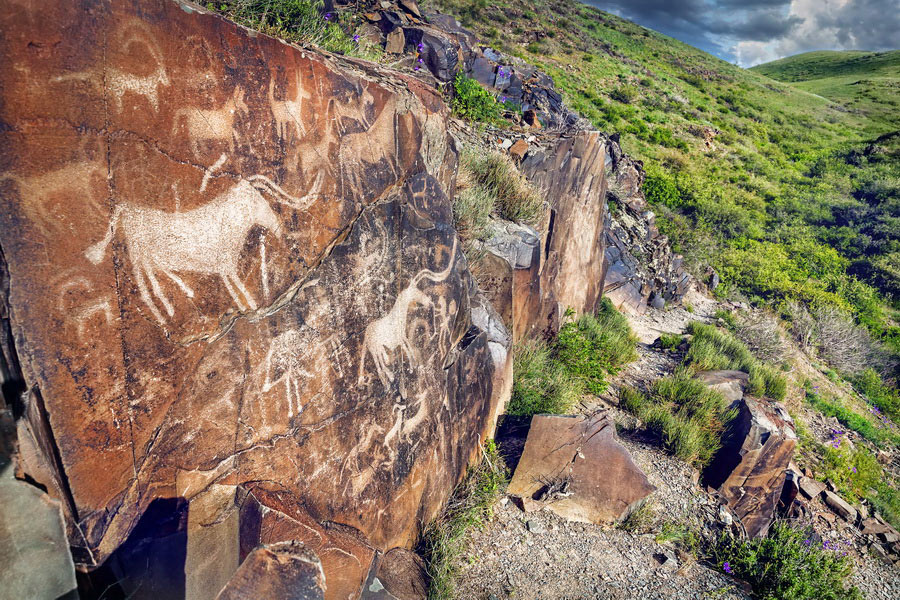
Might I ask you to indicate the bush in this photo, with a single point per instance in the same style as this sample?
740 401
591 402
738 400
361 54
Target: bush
470 505
473 102
515 199
684 414
541 384
594 346
669 341
625 94
759 332
788 565
712 349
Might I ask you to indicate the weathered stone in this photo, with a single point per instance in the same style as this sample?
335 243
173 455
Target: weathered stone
411 7
872 526
811 488
574 466
840 506
395 42
287 571
34 551
438 51
530 118
402 574
571 173
232 260
730 384
519 149
749 470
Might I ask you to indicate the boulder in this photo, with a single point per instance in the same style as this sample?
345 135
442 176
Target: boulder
731 384
574 466
840 506
872 526
288 571
518 149
231 260
395 42
811 488
749 469
437 50
401 575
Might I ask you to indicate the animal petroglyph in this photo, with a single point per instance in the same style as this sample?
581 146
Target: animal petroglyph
206 240
81 313
216 125
67 185
119 82
284 364
287 112
388 333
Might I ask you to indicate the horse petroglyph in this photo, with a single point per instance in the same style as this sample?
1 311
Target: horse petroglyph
206 240
388 333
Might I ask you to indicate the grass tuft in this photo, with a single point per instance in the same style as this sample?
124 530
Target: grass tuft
515 199
541 384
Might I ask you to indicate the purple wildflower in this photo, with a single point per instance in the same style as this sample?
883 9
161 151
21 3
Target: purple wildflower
356 38
727 567
327 16
416 68
853 469
421 61
807 542
421 46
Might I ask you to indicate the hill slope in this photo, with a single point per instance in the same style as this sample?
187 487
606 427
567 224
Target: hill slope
753 176
868 82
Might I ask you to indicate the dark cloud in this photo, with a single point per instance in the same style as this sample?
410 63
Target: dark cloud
753 31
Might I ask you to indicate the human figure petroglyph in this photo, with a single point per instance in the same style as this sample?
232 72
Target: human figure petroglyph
118 82
287 112
284 364
388 333
206 240
215 125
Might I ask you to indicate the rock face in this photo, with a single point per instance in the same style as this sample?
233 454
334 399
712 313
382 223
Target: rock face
749 470
641 268
575 466
287 571
730 384
232 261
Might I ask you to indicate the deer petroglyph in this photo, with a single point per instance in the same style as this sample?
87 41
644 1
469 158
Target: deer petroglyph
287 112
388 333
215 125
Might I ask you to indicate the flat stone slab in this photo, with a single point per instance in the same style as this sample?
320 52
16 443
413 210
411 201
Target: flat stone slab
840 506
287 571
574 466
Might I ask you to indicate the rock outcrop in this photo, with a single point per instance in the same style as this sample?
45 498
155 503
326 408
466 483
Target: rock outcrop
574 466
641 268
232 261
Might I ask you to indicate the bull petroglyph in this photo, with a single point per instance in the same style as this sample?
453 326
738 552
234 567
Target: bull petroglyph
119 82
216 125
389 332
287 112
206 240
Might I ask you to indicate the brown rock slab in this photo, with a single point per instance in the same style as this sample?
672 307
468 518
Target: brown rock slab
411 7
574 466
287 571
811 488
519 149
395 42
232 260
749 470
840 506
730 384
531 119
401 574
873 526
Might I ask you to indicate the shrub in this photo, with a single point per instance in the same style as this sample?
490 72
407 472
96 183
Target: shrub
473 102
661 189
759 332
713 349
669 341
515 199
788 565
727 318
684 414
541 384
626 94
470 506
593 346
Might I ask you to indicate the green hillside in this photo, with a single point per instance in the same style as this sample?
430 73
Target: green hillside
866 82
762 180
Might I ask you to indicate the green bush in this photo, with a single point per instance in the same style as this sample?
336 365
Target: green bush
473 102
470 506
594 346
661 189
712 349
541 384
684 414
669 341
625 94
788 565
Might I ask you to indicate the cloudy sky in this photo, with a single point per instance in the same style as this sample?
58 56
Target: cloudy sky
750 32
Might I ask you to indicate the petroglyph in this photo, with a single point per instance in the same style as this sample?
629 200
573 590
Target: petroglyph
206 240
215 125
284 364
287 112
82 312
388 333
119 82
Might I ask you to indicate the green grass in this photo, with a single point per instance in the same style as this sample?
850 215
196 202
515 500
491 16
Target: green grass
788 564
541 384
470 506
686 416
502 189
669 341
594 346
713 349
877 432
